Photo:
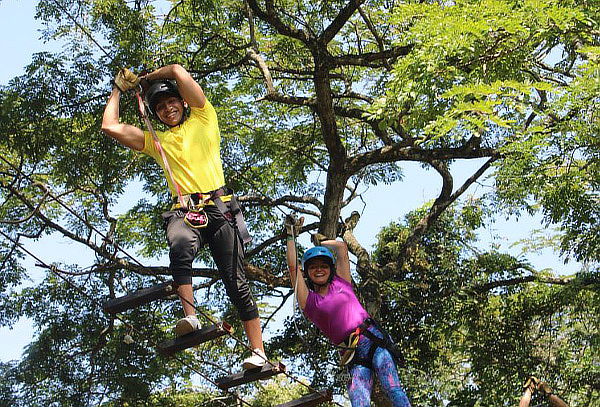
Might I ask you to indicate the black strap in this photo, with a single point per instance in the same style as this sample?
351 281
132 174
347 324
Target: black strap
237 217
377 342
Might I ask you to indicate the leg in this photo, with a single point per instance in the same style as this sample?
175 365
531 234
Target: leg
254 333
360 386
183 244
186 296
385 367
224 244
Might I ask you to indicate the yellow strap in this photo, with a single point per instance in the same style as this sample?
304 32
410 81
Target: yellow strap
186 198
350 344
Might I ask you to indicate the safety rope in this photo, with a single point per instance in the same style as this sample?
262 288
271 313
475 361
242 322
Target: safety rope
144 113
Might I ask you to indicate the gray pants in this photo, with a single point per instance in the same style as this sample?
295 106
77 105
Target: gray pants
184 243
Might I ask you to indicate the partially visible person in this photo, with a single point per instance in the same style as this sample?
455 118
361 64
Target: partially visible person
533 385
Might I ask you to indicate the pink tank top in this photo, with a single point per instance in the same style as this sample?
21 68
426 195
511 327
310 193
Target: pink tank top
338 313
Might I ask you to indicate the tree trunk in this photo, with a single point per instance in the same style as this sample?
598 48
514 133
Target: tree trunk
336 174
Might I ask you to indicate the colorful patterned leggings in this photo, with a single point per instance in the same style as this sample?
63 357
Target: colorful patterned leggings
361 377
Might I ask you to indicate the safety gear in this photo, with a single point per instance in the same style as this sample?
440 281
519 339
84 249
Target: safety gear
293 225
349 347
186 325
348 356
256 360
544 388
126 80
158 89
531 383
318 251
323 252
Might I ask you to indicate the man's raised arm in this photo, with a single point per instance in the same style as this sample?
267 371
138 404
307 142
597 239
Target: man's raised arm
126 134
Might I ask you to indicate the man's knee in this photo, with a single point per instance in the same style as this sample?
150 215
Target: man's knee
241 297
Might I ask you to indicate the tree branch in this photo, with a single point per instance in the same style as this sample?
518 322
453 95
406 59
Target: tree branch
442 202
521 280
403 152
269 16
272 93
368 59
339 21
266 201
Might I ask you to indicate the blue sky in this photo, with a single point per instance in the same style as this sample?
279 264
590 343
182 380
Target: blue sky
19 40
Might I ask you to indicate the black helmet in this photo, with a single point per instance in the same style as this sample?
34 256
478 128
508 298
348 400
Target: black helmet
158 89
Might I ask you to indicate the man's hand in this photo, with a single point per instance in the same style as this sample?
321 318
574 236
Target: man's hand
126 80
293 225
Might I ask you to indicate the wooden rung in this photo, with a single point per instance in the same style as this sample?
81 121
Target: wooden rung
250 375
194 338
140 297
312 399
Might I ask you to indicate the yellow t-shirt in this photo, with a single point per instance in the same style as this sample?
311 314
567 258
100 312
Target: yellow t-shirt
192 150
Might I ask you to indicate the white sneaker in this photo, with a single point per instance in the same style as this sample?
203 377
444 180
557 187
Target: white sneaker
255 361
187 325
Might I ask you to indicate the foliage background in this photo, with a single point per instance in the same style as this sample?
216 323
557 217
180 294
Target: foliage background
316 102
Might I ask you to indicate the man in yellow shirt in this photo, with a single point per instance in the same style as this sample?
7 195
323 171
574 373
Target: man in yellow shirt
191 146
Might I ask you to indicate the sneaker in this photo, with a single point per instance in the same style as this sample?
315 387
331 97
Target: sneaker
187 325
255 361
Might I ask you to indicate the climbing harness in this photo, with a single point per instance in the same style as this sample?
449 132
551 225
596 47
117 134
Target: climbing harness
347 358
195 217
350 343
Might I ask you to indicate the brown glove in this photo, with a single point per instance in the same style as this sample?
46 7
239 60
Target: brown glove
126 80
531 384
293 225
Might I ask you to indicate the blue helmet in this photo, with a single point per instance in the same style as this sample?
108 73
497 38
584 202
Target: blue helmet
318 251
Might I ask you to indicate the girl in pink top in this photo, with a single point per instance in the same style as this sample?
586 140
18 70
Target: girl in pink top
328 300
